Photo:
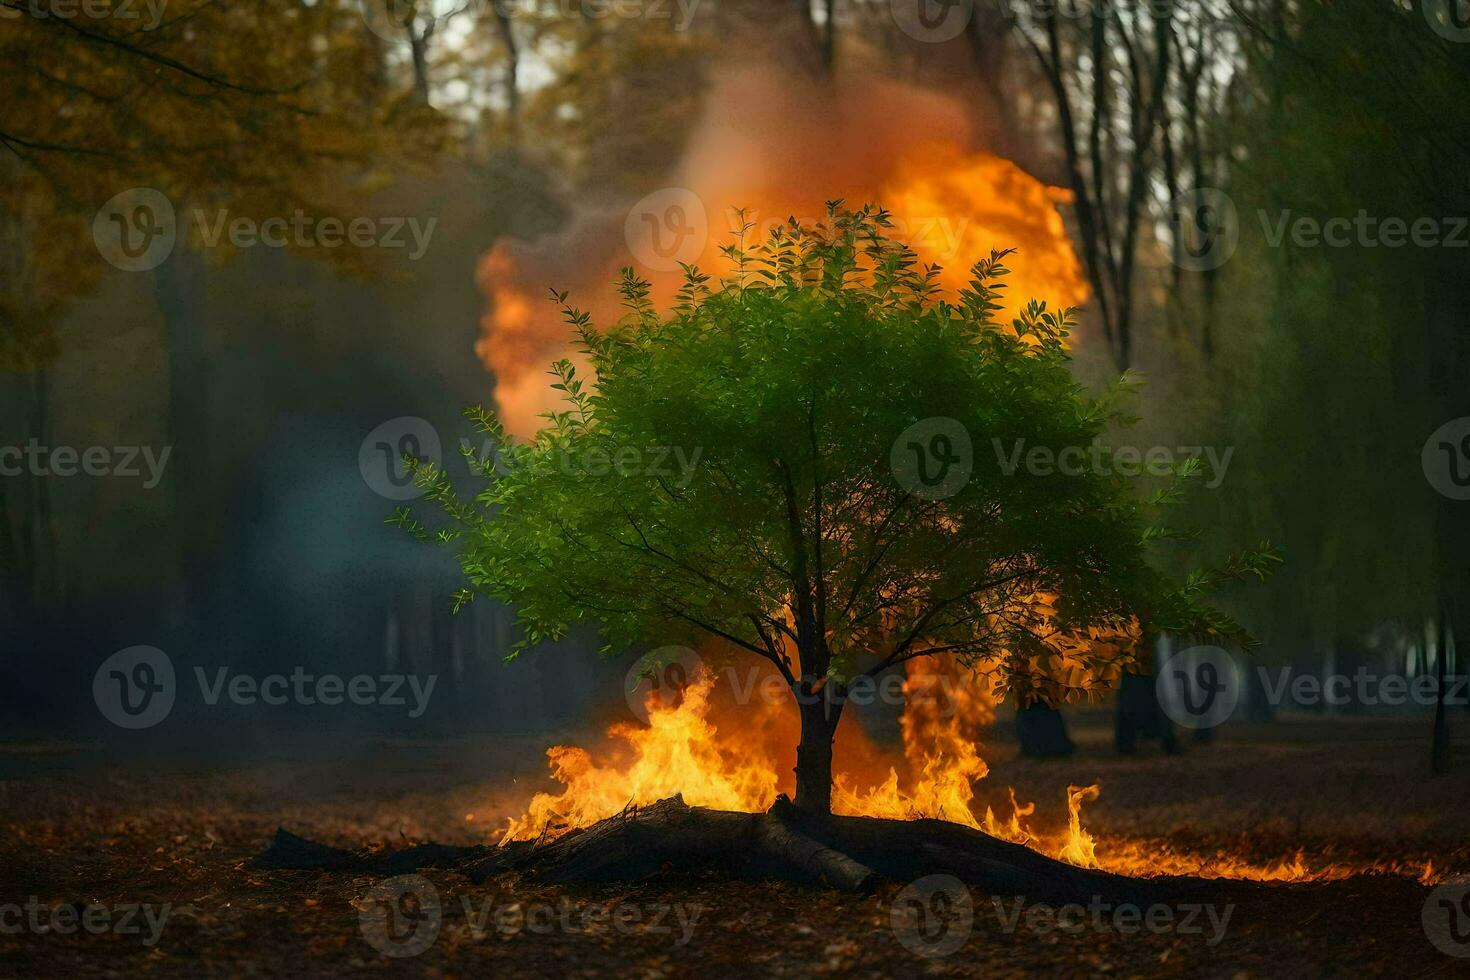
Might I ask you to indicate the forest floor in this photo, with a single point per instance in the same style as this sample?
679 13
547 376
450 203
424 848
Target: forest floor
113 867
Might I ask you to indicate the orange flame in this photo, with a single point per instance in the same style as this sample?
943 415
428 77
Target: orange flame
736 764
862 140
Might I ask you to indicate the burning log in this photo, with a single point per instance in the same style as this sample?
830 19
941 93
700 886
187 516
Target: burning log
850 854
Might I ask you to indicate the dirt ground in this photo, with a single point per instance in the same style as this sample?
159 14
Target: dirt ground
113 867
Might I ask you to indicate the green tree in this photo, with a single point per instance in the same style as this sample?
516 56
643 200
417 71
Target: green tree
801 386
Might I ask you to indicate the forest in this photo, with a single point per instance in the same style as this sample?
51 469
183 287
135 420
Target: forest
654 487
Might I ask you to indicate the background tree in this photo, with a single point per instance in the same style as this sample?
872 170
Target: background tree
264 111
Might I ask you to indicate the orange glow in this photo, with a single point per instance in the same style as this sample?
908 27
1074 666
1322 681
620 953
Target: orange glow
862 140
727 756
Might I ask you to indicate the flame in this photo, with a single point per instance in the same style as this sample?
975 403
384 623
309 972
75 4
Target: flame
727 756
758 149
959 206
680 751
775 156
941 724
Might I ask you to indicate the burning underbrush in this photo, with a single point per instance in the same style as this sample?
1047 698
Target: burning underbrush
701 744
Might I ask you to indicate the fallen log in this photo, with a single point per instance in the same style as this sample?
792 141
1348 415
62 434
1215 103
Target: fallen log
849 854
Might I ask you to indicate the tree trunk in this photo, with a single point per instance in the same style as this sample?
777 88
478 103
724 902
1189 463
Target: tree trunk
1139 715
1440 749
814 755
1042 732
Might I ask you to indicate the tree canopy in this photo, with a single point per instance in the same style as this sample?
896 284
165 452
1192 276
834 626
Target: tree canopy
738 468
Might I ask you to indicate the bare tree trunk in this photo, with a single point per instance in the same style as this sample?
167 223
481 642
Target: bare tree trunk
44 542
1440 749
512 68
181 290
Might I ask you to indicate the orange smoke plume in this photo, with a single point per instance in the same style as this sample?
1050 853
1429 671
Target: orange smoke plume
863 140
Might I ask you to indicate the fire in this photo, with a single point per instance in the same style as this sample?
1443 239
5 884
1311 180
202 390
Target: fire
727 756
680 751
976 202
941 725
759 150
864 140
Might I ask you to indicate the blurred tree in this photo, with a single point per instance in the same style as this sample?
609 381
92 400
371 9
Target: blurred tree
1347 352
261 111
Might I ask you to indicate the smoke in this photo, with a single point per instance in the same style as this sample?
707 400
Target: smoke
776 142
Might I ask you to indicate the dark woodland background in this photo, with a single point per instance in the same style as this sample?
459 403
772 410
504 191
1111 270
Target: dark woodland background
263 548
